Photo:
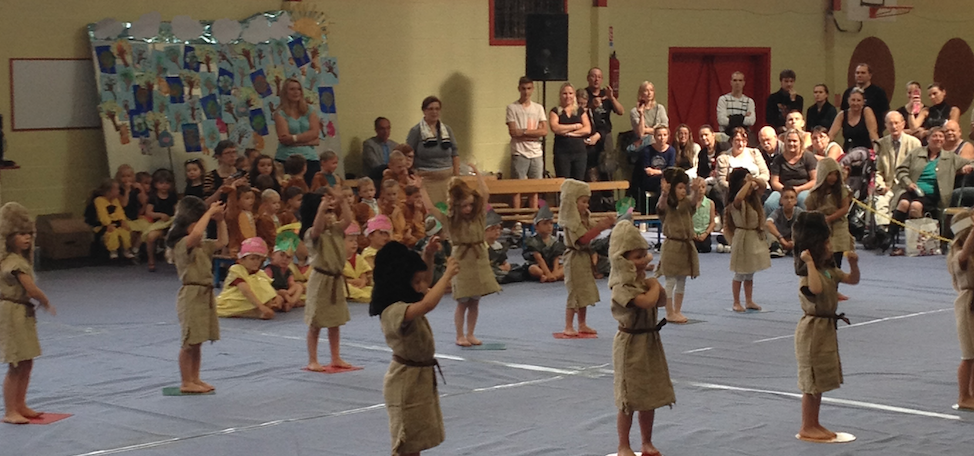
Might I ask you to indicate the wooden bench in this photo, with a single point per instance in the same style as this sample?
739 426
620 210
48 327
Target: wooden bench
651 220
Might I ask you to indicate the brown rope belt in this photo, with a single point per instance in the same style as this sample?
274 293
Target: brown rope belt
656 328
690 252
31 310
834 317
198 284
335 275
431 363
467 246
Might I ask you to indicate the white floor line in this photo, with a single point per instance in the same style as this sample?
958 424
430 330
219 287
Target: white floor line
829 400
699 350
515 385
864 323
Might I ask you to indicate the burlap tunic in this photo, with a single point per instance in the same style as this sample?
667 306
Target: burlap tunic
475 278
325 306
642 377
678 256
579 271
195 304
841 238
749 247
963 280
816 342
18 326
415 419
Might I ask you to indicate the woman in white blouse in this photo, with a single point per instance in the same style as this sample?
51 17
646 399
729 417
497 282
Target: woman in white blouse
741 156
648 114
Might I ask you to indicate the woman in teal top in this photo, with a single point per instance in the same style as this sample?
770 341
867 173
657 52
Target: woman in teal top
297 128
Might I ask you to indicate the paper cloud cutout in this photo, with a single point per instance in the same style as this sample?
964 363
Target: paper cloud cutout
225 30
186 28
147 26
258 30
281 28
108 28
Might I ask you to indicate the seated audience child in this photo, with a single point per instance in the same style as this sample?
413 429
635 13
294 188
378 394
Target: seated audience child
414 213
247 291
252 155
543 251
780 221
295 166
379 232
349 195
366 194
264 182
389 205
291 206
194 178
160 210
443 249
240 215
357 272
281 274
242 163
263 165
497 251
107 217
705 218
327 177
301 268
135 206
398 171
267 221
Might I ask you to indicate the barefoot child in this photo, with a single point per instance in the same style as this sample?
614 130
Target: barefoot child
247 290
642 378
679 253
579 268
18 325
466 222
543 251
281 272
192 254
402 298
816 342
743 228
831 197
325 306
962 274
358 272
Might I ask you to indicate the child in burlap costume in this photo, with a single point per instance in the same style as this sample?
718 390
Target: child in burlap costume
744 228
962 275
579 266
678 256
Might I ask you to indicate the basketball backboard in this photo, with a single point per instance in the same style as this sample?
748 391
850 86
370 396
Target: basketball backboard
874 10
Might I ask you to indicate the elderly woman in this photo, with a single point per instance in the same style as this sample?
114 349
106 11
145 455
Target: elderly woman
740 156
858 123
926 178
794 167
436 157
822 145
297 128
648 114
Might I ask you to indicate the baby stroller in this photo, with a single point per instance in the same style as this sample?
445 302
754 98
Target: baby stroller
861 165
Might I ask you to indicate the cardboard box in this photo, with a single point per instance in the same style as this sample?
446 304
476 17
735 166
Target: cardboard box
63 236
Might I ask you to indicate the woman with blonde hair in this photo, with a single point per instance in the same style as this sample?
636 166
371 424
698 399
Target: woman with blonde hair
297 128
648 114
571 126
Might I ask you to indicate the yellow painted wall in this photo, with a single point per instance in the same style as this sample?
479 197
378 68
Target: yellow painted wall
393 53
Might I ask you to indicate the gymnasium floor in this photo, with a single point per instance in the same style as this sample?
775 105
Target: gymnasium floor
113 345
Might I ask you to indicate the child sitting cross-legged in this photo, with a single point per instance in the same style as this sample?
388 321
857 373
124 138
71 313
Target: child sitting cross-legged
497 251
281 273
379 232
247 291
543 251
357 272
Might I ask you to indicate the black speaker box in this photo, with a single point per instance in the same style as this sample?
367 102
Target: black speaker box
546 50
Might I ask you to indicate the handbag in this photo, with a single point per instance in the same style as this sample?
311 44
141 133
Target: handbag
921 237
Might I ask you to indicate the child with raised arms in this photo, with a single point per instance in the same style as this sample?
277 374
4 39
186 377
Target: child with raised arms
641 375
579 267
679 253
18 324
401 298
816 341
744 229
192 254
325 305
962 275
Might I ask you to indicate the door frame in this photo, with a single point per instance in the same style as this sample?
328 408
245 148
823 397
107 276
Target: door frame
762 88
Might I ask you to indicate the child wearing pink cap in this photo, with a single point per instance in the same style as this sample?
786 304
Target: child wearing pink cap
247 291
379 232
358 273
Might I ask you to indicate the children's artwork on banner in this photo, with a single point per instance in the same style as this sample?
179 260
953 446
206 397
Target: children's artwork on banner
189 85
191 138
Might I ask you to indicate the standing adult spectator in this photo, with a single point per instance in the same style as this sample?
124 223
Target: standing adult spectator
937 114
823 146
857 123
376 150
794 167
912 109
648 114
740 156
874 96
297 128
796 121
768 144
891 150
570 126
783 101
735 109
437 159
687 151
602 102
822 113
926 178
710 149
526 123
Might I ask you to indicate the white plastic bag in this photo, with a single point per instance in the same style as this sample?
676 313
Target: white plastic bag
920 240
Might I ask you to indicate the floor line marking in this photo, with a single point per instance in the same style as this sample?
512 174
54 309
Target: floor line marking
515 385
699 350
830 400
864 323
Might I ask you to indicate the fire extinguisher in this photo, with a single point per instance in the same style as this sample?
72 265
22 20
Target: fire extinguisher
613 67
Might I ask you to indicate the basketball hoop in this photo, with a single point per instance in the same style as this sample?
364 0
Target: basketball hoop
879 12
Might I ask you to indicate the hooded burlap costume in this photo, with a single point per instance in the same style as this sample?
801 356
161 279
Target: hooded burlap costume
841 239
18 326
678 256
579 271
642 378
